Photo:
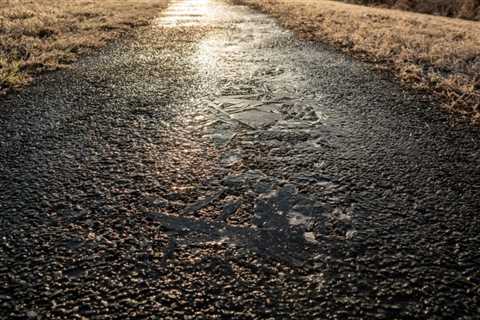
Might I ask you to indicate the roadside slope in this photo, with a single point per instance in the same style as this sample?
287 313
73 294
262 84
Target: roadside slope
437 54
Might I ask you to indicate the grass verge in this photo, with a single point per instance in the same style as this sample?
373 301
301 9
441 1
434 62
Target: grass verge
43 35
437 54
463 9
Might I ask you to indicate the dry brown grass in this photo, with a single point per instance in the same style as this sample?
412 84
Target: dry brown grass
433 53
464 9
41 35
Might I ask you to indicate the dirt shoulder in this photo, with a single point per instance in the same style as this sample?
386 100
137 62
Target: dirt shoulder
437 54
42 35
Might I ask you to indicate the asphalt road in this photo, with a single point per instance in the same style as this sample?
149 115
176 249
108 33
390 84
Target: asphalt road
213 167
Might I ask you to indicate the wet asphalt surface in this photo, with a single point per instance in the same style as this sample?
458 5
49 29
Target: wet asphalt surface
213 167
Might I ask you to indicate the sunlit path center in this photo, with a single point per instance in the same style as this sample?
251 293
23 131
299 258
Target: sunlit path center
188 13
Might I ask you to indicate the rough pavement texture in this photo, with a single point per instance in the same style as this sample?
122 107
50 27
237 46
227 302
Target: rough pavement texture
216 168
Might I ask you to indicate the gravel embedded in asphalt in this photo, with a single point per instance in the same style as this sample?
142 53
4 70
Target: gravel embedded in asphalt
214 167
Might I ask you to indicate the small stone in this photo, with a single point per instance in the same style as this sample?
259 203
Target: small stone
310 237
230 208
350 234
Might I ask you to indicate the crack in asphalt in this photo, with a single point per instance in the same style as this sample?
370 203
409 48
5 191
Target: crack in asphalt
215 167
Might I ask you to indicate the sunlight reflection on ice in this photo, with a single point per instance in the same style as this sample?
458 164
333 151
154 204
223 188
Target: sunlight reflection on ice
185 13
